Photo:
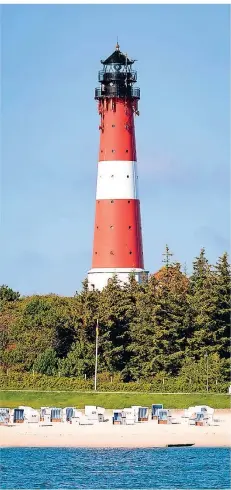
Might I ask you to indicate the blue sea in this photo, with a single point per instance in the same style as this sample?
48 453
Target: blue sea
61 468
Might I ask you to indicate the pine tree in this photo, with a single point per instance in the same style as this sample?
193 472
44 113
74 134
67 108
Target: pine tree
158 330
80 360
202 306
223 310
88 304
46 362
114 309
141 329
170 322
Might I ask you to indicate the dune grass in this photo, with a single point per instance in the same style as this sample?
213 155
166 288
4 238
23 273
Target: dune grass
36 399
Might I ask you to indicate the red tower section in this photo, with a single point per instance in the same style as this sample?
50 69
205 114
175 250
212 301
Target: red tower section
117 247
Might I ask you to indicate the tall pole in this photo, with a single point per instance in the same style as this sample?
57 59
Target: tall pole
207 371
96 352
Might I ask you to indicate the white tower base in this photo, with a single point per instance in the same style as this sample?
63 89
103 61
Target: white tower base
98 278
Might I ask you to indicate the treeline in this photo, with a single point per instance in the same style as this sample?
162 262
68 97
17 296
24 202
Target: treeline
171 326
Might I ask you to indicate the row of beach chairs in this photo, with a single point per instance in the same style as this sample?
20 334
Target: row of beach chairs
198 415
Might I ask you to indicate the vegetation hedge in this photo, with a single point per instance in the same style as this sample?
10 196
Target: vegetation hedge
17 381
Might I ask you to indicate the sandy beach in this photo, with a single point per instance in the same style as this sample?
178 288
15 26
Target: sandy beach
106 435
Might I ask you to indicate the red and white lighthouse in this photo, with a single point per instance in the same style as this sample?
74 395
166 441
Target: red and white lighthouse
117 247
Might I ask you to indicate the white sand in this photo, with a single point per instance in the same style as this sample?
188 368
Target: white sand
147 434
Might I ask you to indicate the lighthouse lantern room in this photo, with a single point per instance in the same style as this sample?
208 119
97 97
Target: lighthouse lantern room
117 247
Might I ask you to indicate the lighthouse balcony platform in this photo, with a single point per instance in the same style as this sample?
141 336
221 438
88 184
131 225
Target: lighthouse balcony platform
117 91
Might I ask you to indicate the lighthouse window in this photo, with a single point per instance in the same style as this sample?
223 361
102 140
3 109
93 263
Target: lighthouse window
126 151
129 202
96 253
111 227
127 176
112 201
129 227
113 151
113 125
112 175
111 252
130 253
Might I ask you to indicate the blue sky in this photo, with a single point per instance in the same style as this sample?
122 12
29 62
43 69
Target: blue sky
50 58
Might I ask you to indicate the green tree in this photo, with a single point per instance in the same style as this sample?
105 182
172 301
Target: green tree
88 306
114 307
141 332
170 320
159 327
42 322
80 360
202 306
7 295
46 362
9 312
222 304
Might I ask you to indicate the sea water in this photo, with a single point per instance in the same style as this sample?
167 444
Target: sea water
61 468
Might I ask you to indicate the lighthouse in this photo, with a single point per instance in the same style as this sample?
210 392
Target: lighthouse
117 246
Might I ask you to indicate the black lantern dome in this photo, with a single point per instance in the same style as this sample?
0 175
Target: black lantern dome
117 77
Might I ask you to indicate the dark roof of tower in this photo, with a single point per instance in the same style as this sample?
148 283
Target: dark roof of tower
117 57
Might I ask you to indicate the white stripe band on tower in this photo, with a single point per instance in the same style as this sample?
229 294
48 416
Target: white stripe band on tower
117 180
99 277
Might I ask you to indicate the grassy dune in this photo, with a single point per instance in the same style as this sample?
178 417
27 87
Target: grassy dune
37 399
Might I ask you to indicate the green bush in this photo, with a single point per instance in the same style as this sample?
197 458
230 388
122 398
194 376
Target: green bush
18 381
43 382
